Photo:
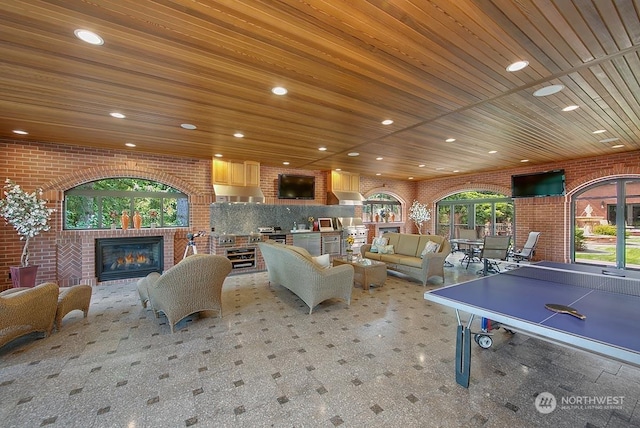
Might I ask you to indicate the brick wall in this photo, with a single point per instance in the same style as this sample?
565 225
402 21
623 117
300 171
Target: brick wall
57 167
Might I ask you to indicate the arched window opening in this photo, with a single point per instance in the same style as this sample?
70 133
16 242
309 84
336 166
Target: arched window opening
99 204
489 213
381 208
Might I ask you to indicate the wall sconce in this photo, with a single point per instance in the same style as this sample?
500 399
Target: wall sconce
602 204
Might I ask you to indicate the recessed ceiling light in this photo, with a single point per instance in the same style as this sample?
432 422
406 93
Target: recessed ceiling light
617 146
609 140
353 154
517 66
524 160
89 37
410 178
449 140
285 163
279 90
387 122
379 158
599 131
548 90
570 108
129 144
378 173
238 135
456 170
218 155
20 132
493 151
322 149
188 126
117 115
421 165
338 169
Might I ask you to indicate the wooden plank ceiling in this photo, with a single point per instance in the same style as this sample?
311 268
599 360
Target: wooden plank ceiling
437 68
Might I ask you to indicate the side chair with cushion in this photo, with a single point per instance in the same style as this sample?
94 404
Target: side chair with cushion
27 310
528 250
193 285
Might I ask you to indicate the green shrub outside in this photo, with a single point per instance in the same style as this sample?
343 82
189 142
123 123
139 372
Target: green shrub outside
604 229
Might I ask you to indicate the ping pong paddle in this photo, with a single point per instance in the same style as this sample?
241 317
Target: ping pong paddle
564 309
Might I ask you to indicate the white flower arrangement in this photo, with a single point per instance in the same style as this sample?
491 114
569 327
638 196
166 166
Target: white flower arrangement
26 212
419 213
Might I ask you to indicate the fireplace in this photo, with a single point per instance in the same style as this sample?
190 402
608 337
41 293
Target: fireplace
131 257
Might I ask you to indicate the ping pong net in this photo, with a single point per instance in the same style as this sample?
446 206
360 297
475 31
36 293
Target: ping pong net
608 281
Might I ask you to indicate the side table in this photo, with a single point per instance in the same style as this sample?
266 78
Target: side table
366 272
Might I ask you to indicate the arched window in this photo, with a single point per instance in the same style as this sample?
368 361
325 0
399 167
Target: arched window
99 204
488 213
381 208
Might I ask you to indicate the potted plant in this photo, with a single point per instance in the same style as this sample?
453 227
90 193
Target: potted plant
29 215
419 213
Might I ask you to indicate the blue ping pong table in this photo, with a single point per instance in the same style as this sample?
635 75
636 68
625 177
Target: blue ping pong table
609 298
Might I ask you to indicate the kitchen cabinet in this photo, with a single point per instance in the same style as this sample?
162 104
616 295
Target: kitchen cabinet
344 181
236 173
309 241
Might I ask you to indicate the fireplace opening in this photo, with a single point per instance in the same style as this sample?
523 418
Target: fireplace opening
132 257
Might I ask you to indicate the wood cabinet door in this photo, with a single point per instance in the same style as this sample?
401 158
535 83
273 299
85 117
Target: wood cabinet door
220 174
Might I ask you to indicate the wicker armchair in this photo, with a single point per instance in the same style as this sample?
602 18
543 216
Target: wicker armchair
76 297
193 285
27 310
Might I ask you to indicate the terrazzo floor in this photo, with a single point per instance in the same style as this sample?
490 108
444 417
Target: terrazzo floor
385 361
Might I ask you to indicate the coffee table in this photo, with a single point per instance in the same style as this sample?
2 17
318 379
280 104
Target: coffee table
366 272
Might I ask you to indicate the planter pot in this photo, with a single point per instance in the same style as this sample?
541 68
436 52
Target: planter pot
23 276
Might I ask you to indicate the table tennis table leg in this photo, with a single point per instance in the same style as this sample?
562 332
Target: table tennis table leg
463 352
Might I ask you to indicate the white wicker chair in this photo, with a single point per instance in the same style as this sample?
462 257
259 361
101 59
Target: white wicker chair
193 285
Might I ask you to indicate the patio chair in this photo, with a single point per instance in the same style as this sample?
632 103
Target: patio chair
494 250
527 252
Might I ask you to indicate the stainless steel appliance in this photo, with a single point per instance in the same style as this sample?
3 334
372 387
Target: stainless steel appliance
226 240
353 226
274 233
331 244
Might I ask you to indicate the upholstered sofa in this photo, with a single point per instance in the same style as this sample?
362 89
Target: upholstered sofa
193 285
294 268
27 310
405 255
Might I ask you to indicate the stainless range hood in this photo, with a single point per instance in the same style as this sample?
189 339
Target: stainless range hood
344 198
238 194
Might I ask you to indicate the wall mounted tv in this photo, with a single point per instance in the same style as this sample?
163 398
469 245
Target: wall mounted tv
548 183
296 186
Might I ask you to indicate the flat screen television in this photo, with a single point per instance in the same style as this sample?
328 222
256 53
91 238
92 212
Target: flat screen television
548 183
296 186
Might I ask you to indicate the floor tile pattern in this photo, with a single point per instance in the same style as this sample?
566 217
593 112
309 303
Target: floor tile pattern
385 361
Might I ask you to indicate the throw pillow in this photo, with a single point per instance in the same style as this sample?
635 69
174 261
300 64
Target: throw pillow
323 261
377 243
430 247
386 249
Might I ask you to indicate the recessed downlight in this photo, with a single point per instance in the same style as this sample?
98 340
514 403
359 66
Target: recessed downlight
517 66
524 160
238 135
285 163
548 90
129 144
279 90
89 37
378 173
387 122
188 126
492 151
20 132
449 140
409 178
322 149
218 155
456 170
379 158
609 140
599 131
617 146
117 115
570 108
338 169
352 154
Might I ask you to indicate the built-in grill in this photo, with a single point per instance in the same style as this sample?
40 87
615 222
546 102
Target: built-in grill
273 233
227 240
353 226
